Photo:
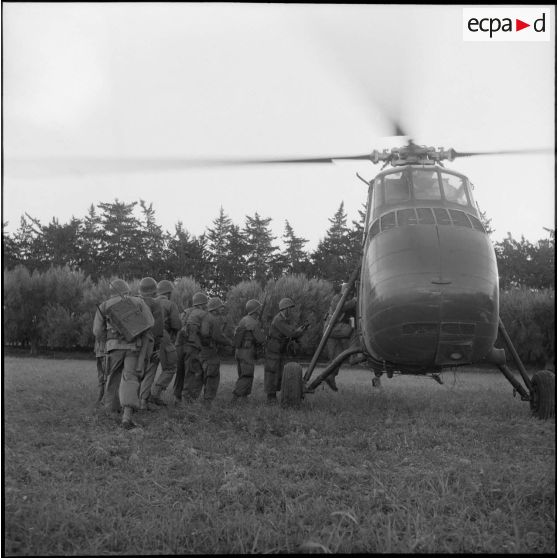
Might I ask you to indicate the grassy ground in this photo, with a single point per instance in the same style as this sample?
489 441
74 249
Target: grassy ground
411 467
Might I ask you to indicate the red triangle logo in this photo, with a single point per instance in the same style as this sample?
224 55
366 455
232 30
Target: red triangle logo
519 25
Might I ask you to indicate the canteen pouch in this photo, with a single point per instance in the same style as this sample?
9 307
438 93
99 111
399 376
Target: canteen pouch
129 319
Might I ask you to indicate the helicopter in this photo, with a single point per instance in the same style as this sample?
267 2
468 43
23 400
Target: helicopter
427 285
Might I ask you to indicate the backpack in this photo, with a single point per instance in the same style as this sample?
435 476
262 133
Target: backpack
129 318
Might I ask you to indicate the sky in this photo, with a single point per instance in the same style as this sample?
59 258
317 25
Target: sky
160 80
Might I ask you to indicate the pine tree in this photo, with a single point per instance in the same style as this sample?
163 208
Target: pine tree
293 259
152 242
121 240
27 241
90 243
10 252
185 256
218 248
261 254
332 258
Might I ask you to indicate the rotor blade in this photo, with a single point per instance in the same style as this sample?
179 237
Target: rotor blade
100 165
503 152
397 128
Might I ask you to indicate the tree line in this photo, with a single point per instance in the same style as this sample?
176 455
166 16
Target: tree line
54 309
124 240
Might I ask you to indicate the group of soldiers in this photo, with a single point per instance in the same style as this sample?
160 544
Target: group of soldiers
185 345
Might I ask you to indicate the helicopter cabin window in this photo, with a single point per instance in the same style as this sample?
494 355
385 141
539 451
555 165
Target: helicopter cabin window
454 188
396 188
406 217
425 184
388 221
425 216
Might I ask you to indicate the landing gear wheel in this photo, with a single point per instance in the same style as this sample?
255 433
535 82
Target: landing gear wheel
543 394
291 385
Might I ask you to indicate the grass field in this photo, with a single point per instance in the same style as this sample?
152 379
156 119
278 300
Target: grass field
411 467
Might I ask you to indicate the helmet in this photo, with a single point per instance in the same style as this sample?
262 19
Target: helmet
119 286
214 303
148 286
164 287
252 305
199 299
285 303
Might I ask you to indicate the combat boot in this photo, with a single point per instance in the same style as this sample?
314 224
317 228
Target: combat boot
157 401
127 422
145 406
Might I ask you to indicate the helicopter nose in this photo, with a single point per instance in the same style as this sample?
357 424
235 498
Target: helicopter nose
428 296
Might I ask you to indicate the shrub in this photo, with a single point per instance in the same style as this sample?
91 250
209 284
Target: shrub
184 289
529 318
60 327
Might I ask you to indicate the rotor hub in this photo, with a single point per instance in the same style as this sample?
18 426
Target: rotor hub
412 154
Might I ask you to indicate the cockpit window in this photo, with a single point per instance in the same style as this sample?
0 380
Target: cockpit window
425 184
396 188
454 188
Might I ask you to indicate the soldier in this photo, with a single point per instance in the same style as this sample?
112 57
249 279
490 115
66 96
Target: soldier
189 373
211 335
340 336
179 345
148 292
167 352
280 333
100 357
125 359
248 339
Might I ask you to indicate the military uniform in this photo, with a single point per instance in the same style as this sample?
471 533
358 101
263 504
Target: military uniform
122 385
189 345
153 355
211 335
101 357
249 334
280 332
167 351
180 345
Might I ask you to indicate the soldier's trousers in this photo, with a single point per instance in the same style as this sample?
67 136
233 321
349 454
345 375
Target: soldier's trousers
180 372
122 387
211 378
101 372
168 357
149 376
193 374
273 372
245 380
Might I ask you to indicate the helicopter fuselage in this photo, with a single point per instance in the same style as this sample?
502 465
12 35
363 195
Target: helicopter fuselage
428 291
